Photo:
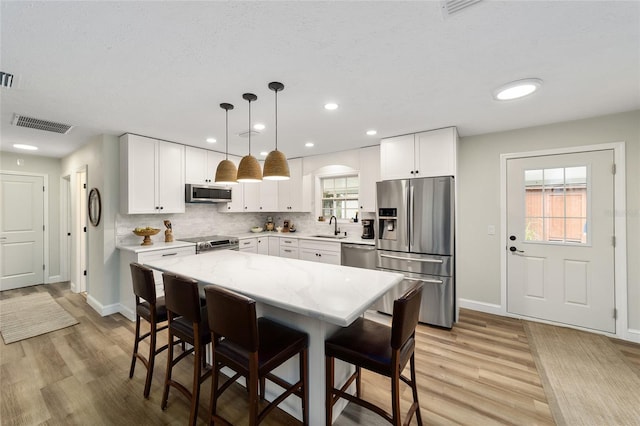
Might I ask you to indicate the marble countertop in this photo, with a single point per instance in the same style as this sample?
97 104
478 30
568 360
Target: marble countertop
351 239
331 293
157 245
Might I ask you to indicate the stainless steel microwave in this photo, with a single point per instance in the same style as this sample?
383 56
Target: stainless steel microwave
206 194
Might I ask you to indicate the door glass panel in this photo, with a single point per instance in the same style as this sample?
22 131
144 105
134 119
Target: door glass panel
556 205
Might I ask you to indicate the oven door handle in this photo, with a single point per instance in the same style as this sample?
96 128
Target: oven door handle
412 259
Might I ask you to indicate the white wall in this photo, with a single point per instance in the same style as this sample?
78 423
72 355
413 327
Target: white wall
101 157
478 263
51 168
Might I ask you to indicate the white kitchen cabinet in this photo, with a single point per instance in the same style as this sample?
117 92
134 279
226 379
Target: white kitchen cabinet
152 176
263 245
253 197
320 251
274 246
289 248
369 175
237 194
201 165
127 298
248 245
291 193
424 154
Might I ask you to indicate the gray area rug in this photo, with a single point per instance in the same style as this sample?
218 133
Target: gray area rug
586 379
31 315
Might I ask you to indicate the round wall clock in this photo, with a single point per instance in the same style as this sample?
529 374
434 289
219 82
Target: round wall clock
94 206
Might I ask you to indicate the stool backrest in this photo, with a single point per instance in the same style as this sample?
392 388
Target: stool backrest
144 285
232 316
406 310
181 296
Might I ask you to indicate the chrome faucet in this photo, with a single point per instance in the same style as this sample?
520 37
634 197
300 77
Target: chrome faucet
336 231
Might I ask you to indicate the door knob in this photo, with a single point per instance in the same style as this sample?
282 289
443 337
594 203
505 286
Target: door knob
512 237
512 249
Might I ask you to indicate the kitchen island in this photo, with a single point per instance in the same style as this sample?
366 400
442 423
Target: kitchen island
313 297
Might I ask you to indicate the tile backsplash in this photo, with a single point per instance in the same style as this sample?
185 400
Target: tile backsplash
204 219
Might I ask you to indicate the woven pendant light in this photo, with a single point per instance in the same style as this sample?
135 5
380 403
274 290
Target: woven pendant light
249 168
275 165
226 171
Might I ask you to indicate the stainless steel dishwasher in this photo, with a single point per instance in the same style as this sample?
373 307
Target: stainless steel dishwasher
358 255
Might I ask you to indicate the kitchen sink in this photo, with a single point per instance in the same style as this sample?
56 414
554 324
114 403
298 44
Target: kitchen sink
334 237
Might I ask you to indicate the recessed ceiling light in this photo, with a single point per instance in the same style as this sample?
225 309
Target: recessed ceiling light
372 132
258 126
517 89
308 144
330 106
211 140
27 147
264 153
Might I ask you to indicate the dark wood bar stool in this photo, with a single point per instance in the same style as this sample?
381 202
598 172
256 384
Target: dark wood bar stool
381 349
187 322
153 310
252 347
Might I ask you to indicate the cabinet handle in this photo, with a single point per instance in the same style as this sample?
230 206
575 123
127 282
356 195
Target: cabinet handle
411 171
287 251
169 254
246 242
417 172
161 207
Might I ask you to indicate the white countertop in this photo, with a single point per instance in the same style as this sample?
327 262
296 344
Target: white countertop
331 293
157 245
351 239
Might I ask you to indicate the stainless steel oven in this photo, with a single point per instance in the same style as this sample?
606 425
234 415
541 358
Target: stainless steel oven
213 242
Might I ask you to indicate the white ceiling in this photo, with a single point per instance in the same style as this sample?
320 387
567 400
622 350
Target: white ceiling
162 68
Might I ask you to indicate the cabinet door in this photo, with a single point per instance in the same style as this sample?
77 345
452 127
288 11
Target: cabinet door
263 245
237 194
436 153
139 189
249 245
268 196
195 165
274 246
170 183
251 201
213 159
369 175
291 192
289 252
397 157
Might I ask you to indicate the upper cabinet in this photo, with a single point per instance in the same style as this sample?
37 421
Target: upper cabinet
152 175
291 193
424 154
201 165
369 175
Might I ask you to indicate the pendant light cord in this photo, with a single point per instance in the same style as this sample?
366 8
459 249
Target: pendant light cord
226 151
249 127
276 120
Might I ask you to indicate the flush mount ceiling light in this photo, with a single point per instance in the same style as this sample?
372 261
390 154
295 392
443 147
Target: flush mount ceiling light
330 106
517 89
275 165
259 126
264 153
211 140
308 144
226 171
249 168
26 147
372 132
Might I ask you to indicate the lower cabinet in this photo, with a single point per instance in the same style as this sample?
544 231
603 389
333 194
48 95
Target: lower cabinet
289 248
320 251
127 298
249 245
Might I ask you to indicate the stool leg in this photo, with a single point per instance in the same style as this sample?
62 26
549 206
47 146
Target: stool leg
213 400
414 388
195 393
135 347
395 396
358 381
253 384
304 376
167 379
328 369
152 359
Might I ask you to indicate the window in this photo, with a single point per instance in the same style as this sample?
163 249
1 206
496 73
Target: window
340 196
556 205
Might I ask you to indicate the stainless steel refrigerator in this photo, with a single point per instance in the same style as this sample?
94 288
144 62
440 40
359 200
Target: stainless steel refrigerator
415 236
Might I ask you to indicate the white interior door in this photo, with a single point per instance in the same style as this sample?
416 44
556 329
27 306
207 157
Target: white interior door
560 237
22 231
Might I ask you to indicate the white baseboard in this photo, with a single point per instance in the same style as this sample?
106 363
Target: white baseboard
55 279
126 312
474 305
103 310
632 335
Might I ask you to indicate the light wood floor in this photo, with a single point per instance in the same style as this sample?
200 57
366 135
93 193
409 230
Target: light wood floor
479 373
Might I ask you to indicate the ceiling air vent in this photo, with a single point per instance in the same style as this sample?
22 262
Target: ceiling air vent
451 7
36 123
6 79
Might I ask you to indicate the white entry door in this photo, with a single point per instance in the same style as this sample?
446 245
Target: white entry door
560 238
21 231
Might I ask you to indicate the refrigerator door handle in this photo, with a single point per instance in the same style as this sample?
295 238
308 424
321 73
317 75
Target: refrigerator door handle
412 259
410 214
425 280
